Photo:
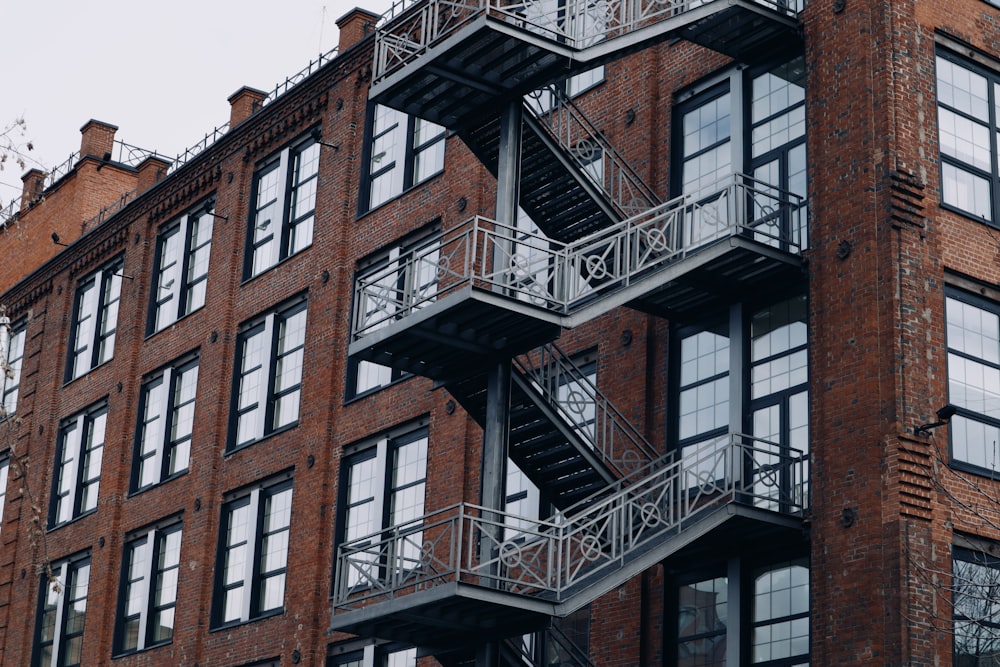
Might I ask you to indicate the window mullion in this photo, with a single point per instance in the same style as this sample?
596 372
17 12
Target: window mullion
284 202
58 625
145 588
266 390
163 434
249 601
75 439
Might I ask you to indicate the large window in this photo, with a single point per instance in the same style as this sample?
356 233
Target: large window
973 336
253 553
383 485
148 589
284 205
722 130
62 611
371 655
268 383
756 357
10 373
79 455
409 266
181 276
403 151
166 423
976 604
737 604
968 122
95 319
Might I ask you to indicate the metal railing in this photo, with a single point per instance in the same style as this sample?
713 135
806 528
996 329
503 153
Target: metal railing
591 151
554 560
568 390
548 648
408 30
564 277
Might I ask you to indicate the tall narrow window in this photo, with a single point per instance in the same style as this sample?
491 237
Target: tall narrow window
166 423
62 611
181 276
284 195
408 267
10 377
702 618
95 319
268 382
4 471
780 634
976 607
148 592
78 465
384 486
403 151
703 397
253 553
968 122
973 336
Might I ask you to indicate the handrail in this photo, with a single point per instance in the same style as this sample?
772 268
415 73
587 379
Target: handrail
619 444
553 560
586 145
409 29
562 278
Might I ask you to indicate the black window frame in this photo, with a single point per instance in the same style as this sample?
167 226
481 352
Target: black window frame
382 448
992 123
409 156
10 386
984 554
167 444
58 586
153 575
84 422
179 298
286 162
108 282
270 325
255 497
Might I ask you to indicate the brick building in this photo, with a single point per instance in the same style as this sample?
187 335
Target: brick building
617 334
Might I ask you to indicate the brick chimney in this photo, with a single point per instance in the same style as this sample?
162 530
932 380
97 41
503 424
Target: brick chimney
98 139
150 171
354 26
243 103
34 185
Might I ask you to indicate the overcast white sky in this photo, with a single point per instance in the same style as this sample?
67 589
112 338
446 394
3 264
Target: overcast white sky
160 71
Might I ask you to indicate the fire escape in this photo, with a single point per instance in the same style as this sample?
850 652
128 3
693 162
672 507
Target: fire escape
500 295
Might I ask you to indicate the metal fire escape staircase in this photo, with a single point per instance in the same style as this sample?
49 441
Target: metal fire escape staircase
565 435
467 573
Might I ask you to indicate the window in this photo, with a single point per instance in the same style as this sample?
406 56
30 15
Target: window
253 553
780 633
4 471
968 122
370 655
284 196
95 319
973 336
383 485
710 379
10 375
268 383
148 590
62 611
404 151
181 275
166 422
712 119
976 605
409 266
737 604
78 467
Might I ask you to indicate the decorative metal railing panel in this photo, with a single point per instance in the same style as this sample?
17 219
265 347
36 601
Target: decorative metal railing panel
563 277
553 560
568 390
591 151
409 29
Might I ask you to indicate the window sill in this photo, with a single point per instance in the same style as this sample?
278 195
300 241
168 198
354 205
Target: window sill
155 485
234 449
235 624
248 278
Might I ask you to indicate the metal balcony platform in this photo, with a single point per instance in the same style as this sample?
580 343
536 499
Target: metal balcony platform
726 271
459 334
449 62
